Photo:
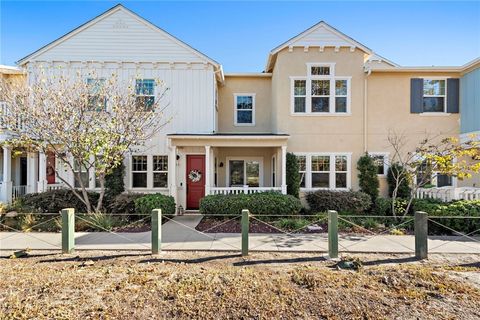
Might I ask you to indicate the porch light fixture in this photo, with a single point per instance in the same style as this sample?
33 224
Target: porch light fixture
178 157
221 165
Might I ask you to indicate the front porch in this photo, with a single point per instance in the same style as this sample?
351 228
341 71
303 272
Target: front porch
232 164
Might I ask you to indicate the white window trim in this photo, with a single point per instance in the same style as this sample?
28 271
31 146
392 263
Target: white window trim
308 94
386 156
444 112
308 173
131 172
160 171
154 95
260 171
235 110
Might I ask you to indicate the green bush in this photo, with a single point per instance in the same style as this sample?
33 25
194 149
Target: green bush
147 203
102 222
468 208
367 176
53 201
396 170
264 203
292 224
124 203
341 201
293 175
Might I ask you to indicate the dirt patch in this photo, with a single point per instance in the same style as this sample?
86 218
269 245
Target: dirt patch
186 285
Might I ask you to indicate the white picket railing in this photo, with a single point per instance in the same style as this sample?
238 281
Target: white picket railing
55 186
449 193
240 190
18 191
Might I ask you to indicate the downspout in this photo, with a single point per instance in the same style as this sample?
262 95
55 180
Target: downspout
365 110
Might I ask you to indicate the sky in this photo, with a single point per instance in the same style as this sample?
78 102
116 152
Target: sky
239 35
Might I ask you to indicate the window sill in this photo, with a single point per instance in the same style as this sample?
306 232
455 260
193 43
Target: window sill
435 114
319 114
244 124
316 189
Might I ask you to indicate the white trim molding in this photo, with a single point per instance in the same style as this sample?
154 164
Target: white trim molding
235 110
240 158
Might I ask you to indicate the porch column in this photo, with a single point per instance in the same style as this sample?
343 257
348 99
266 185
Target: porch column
42 172
284 169
32 172
207 170
172 172
7 174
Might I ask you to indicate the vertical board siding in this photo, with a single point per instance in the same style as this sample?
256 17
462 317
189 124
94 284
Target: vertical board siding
470 102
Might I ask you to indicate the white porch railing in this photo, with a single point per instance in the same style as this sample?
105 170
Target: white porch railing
239 190
55 186
449 193
18 191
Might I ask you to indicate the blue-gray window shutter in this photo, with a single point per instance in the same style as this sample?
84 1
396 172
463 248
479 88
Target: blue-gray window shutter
453 100
416 95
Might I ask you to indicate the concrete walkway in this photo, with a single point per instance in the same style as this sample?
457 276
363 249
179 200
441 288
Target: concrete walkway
180 234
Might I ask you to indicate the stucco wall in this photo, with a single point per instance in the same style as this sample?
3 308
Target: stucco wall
261 87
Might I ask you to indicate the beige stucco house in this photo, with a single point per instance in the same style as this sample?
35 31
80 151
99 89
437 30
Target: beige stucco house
323 96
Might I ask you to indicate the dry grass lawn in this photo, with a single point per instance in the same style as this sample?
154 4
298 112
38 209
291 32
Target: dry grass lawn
200 285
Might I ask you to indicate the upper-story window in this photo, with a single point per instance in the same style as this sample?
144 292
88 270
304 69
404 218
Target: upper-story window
96 99
244 113
145 91
434 93
320 92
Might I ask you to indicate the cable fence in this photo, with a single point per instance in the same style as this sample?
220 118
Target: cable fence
330 233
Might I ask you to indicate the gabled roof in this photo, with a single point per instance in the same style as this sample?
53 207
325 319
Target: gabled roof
336 38
107 13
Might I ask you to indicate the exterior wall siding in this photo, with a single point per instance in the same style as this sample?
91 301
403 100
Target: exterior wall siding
470 101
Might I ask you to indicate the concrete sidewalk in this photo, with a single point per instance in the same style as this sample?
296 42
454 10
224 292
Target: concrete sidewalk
180 234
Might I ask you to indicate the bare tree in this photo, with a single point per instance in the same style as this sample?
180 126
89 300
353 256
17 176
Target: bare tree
87 122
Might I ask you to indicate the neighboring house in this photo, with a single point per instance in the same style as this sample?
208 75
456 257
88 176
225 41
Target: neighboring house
323 96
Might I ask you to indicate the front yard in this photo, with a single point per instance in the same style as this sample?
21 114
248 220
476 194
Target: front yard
223 285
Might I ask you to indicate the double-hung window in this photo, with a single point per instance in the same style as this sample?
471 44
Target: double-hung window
320 92
139 171
324 171
380 159
145 92
96 95
80 174
434 95
160 171
244 113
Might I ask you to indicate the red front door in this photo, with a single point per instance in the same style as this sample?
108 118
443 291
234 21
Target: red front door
195 180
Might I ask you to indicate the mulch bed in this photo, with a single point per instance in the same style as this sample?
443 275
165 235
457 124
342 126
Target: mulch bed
211 225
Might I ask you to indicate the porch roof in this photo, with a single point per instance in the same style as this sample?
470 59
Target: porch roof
229 139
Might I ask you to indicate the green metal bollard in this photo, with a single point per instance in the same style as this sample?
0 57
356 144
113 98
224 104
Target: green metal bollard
68 230
421 235
332 234
156 231
245 227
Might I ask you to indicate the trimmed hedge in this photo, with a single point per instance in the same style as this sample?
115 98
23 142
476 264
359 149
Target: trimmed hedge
146 204
124 203
53 201
469 208
341 201
264 203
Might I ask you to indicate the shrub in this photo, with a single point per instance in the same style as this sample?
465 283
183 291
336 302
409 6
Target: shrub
367 176
53 201
114 184
396 170
264 203
124 203
147 203
469 208
293 175
102 222
292 224
342 201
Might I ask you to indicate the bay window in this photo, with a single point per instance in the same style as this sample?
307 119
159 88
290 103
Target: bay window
324 171
320 92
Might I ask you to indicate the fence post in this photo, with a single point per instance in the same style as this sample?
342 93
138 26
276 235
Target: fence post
156 231
68 230
332 234
245 227
421 234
